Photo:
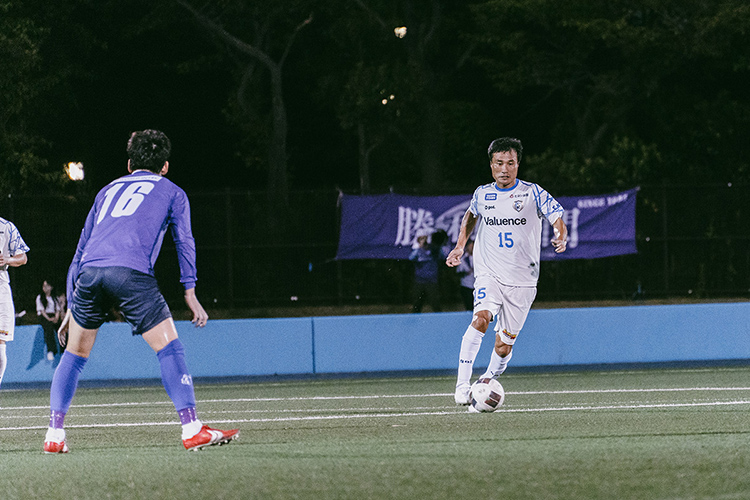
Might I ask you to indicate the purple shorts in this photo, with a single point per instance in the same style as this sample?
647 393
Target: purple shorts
99 290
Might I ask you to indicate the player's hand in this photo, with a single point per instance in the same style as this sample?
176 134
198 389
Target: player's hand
454 258
62 331
200 316
559 243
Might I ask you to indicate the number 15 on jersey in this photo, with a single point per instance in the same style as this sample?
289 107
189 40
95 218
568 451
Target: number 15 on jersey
506 240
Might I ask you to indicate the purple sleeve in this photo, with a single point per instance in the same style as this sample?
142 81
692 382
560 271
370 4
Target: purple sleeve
183 239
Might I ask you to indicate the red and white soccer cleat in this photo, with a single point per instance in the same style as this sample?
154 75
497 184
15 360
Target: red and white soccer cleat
52 447
210 437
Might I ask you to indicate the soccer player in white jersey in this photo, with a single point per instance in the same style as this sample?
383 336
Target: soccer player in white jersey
508 217
114 267
12 253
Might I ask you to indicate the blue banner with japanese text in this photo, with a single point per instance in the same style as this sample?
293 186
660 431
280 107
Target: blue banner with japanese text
386 226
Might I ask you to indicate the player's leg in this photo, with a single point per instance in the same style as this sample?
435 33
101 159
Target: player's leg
470 344
144 307
49 338
65 382
3 360
486 306
178 383
175 376
516 304
501 355
7 329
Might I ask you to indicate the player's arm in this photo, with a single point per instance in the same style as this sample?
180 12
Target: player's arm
15 261
62 330
182 234
560 241
467 226
16 247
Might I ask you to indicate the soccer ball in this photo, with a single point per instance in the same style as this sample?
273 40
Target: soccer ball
487 394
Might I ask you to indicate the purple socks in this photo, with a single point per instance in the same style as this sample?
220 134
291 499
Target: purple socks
177 380
64 385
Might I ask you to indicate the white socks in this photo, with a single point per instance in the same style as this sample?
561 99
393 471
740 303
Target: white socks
55 435
3 361
470 344
191 429
497 365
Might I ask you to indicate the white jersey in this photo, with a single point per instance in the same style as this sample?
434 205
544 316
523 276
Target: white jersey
11 244
509 230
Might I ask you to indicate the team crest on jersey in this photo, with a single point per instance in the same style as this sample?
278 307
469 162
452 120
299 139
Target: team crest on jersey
518 205
490 196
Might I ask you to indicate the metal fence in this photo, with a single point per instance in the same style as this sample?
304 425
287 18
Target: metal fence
692 242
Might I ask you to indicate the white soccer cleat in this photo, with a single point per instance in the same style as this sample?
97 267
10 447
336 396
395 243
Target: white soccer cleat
462 396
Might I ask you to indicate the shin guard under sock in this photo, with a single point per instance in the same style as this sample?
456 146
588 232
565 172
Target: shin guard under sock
175 376
470 344
65 382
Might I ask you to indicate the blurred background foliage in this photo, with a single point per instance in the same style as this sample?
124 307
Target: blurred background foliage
294 95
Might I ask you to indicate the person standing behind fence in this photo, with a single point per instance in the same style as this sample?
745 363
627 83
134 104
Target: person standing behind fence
12 254
426 273
465 270
48 311
114 267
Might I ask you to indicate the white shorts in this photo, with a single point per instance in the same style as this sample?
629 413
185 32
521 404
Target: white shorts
510 304
7 320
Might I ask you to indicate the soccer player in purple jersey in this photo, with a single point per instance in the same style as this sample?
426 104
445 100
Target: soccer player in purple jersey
507 215
114 267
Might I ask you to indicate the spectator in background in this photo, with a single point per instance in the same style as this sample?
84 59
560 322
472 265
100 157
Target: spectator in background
465 270
48 311
426 284
62 302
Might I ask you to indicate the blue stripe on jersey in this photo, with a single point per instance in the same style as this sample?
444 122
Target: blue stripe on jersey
15 242
547 206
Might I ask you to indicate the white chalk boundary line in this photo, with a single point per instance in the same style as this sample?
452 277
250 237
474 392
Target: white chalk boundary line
392 415
384 396
381 413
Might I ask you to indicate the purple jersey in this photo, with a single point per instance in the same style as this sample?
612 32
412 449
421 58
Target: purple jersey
127 223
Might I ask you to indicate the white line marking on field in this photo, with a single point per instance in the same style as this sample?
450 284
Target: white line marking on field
384 396
396 414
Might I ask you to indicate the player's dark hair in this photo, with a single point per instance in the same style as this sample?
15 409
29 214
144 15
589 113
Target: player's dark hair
148 149
505 144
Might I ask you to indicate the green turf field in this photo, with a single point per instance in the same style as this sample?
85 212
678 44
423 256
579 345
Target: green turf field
651 434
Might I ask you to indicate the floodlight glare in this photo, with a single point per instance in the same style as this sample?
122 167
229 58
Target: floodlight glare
74 171
400 32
